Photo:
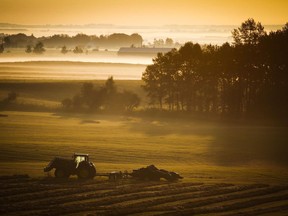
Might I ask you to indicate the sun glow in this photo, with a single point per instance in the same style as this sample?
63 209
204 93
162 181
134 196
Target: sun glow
143 12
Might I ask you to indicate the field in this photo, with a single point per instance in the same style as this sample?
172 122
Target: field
228 168
26 196
65 70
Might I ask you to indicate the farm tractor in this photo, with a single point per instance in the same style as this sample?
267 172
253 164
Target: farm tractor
79 165
84 169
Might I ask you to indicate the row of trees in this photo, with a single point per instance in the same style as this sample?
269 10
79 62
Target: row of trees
38 48
82 40
107 97
167 43
1 48
248 79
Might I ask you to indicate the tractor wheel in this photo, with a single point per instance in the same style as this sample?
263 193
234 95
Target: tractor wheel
60 173
92 171
83 172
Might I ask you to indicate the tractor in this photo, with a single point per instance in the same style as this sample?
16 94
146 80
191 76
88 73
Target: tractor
79 165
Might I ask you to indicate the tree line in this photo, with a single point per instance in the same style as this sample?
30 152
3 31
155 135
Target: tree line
247 79
97 98
82 40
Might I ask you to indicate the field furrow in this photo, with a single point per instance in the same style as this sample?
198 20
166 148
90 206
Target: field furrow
275 210
219 204
72 197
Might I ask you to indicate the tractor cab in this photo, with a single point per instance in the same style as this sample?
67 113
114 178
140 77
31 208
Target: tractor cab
80 157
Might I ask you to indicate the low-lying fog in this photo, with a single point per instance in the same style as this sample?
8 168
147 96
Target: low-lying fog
108 56
53 65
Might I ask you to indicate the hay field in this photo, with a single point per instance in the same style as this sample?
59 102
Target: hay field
196 149
225 169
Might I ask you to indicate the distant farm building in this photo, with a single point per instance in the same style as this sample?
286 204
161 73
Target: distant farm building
142 50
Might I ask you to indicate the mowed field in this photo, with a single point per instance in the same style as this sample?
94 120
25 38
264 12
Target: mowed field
26 196
227 169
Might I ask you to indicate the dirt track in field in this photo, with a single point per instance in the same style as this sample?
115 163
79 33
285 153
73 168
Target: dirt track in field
21 195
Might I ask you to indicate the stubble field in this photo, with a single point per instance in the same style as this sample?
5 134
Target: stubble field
228 169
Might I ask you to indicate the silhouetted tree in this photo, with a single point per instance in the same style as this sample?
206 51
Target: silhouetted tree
111 95
81 40
19 40
39 48
130 100
104 97
169 42
158 43
28 49
154 83
1 48
110 86
273 51
78 50
248 33
64 50
246 80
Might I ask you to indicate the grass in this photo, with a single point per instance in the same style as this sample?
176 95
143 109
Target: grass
202 150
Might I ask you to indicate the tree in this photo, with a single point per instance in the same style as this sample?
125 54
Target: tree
64 50
110 94
78 50
129 100
169 42
104 97
248 80
154 82
39 48
1 48
28 49
273 52
158 43
249 33
136 39
191 55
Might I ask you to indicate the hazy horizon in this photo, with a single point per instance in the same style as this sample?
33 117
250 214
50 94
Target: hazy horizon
204 22
203 34
143 12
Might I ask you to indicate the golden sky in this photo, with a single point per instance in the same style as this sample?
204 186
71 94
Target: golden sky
143 12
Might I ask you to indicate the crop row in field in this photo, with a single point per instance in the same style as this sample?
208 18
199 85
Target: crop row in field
21 195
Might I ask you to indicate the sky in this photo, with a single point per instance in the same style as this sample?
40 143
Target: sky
143 12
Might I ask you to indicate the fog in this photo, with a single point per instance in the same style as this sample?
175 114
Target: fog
203 34
200 34
64 70
19 55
